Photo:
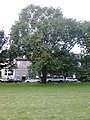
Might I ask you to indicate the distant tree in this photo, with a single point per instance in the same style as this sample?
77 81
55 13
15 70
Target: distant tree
3 50
5 59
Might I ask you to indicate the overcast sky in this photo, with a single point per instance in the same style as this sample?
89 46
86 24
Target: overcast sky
9 9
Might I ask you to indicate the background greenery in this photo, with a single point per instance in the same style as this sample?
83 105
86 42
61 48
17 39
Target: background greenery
70 101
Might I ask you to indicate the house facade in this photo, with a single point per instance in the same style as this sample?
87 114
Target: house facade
20 72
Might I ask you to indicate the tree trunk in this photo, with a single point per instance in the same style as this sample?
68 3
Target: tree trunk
44 74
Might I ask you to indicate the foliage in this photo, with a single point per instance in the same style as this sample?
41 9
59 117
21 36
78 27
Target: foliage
5 53
46 38
84 40
84 70
3 50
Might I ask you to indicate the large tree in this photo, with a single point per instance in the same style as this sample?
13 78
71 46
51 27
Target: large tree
45 36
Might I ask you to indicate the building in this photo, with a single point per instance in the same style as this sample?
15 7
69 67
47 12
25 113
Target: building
20 72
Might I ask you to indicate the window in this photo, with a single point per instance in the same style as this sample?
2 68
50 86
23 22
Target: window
18 72
24 72
24 64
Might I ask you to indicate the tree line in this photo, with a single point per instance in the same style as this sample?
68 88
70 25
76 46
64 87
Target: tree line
46 38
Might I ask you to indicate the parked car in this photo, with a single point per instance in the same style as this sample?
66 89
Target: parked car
87 79
36 80
1 79
17 80
56 79
10 80
71 79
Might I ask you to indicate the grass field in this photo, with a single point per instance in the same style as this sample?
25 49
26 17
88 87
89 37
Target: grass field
20 101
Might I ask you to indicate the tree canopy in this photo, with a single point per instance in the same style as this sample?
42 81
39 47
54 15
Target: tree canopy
45 37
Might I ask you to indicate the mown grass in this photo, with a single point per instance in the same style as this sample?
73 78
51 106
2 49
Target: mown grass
70 101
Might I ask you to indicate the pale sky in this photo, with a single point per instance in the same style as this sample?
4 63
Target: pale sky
9 9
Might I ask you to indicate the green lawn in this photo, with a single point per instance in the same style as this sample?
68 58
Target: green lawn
20 101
